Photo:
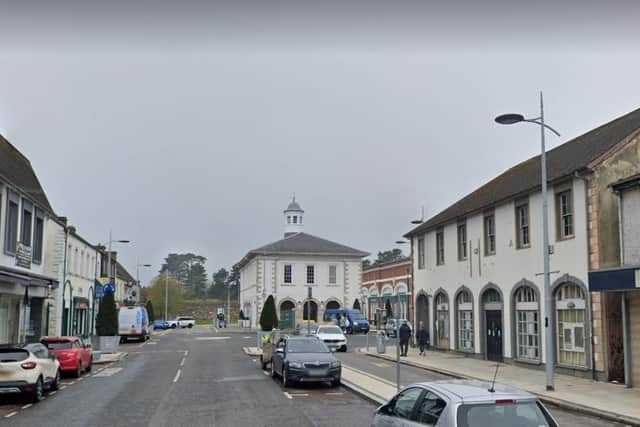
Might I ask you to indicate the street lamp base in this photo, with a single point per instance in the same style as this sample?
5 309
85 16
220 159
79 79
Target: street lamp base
551 388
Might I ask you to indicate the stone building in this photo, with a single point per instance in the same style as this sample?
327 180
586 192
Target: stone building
289 267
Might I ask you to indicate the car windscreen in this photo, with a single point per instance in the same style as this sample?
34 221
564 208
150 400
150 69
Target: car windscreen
507 414
58 345
356 316
306 346
13 355
329 330
309 330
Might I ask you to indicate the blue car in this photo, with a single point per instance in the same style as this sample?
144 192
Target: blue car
160 324
350 320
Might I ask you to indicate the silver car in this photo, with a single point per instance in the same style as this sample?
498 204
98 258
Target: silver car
463 403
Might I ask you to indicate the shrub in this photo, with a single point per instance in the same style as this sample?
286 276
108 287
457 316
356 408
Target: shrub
269 317
107 318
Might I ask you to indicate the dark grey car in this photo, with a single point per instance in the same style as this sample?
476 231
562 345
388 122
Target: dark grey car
305 359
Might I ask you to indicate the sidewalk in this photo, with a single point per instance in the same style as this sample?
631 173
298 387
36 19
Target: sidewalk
615 402
109 357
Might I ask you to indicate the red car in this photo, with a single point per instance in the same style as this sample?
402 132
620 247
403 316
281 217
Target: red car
74 354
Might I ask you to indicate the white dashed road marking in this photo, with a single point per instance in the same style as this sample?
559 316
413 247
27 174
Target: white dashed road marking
11 414
63 387
27 406
288 395
266 373
334 393
212 338
175 380
107 372
182 361
298 394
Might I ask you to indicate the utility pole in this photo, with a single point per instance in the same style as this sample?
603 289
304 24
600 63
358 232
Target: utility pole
166 295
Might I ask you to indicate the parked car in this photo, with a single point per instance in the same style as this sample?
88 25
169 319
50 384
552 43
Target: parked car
350 320
75 355
463 403
182 322
160 324
391 328
133 323
332 336
307 328
28 369
305 359
269 347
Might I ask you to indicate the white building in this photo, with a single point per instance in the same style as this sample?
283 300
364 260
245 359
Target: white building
287 268
477 264
25 284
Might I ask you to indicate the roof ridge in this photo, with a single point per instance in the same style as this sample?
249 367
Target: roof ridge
524 176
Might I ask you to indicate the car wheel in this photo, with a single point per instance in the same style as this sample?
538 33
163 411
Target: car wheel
344 348
285 378
55 385
190 326
90 365
36 395
173 326
273 370
264 365
335 383
78 370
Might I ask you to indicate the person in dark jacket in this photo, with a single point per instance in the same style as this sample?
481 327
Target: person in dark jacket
423 338
404 334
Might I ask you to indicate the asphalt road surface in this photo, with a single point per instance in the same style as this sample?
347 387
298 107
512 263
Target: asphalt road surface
188 377
408 375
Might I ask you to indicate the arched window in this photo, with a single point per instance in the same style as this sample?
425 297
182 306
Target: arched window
401 294
464 320
333 304
491 295
442 320
310 311
571 323
527 326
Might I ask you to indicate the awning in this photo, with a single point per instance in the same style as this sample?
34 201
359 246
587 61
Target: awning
11 275
614 279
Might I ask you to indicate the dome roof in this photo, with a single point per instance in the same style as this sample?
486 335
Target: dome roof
294 206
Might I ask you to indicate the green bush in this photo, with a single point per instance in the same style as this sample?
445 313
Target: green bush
107 318
269 317
152 315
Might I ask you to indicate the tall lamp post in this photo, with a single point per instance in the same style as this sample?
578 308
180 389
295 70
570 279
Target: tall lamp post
111 240
509 119
138 265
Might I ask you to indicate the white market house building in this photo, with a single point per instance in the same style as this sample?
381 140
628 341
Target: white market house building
288 267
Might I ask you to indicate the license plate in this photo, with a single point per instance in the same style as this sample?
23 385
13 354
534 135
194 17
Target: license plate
317 372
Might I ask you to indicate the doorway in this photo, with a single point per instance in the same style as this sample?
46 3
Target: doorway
494 335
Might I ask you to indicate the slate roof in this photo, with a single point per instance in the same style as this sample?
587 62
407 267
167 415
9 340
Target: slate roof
16 170
562 161
303 244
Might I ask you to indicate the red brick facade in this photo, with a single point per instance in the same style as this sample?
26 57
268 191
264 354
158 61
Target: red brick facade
381 283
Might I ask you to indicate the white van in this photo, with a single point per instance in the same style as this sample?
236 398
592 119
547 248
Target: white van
133 323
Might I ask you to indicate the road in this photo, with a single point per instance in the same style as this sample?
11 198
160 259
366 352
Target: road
408 375
188 377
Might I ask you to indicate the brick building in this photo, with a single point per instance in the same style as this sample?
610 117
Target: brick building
388 282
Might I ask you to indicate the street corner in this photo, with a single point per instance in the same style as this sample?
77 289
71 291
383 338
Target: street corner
252 351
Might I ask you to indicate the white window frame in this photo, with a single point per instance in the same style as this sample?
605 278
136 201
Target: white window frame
421 258
489 234
333 274
311 278
523 226
284 274
440 247
462 242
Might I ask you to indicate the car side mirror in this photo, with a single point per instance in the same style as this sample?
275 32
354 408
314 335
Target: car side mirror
280 350
384 410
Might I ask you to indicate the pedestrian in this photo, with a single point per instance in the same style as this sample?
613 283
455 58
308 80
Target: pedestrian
404 334
423 338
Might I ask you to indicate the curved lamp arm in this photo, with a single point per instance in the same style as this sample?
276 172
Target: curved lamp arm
538 122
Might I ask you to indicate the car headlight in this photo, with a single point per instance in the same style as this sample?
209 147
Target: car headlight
295 365
355 323
335 364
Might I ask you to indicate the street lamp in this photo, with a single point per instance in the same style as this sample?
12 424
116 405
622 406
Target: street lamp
510 119
400 242
111 240
138 265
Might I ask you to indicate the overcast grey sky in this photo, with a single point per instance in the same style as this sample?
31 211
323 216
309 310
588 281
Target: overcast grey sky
187 126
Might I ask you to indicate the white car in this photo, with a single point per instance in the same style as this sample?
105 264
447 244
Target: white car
332 336
182 322
28 369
